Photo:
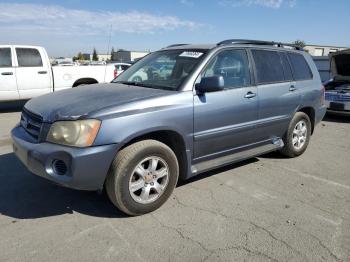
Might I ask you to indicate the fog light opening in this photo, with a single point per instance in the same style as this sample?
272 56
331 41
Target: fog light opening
59 167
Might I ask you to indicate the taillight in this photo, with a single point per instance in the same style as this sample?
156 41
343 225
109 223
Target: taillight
115 73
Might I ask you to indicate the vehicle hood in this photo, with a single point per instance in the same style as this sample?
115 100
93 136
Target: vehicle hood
81 101
340 64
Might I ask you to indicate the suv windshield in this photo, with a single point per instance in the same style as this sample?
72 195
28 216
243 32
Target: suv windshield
163 69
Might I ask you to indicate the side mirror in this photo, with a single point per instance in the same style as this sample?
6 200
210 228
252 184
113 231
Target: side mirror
210 84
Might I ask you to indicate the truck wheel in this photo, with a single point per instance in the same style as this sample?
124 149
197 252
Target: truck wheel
142 177
297 136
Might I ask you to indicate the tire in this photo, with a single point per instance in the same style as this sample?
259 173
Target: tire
123 173
291 147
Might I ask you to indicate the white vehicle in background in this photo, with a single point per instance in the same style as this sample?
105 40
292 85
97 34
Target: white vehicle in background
120 68
26 72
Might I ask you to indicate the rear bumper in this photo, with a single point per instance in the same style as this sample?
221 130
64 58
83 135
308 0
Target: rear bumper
338 107
86 168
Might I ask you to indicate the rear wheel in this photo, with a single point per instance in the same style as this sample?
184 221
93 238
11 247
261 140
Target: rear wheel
142 177
297 136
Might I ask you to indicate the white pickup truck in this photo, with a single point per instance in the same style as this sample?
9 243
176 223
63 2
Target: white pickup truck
26 72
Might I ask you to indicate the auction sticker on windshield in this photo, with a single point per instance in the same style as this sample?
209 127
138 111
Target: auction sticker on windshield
191 54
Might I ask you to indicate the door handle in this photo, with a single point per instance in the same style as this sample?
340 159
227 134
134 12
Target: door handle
292 88
7 73
42 72
250 95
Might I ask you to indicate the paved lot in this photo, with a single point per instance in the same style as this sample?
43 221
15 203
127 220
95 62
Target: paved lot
265 209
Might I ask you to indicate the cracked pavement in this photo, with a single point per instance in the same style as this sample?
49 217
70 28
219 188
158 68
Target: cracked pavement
264 209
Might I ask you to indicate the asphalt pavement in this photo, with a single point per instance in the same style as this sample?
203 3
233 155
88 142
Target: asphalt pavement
268 208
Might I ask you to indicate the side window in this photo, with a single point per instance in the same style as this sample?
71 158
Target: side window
268 66
233 65
301 69
286 67
28 57
124 67
5 57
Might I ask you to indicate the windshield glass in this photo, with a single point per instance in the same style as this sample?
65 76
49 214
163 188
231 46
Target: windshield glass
163 69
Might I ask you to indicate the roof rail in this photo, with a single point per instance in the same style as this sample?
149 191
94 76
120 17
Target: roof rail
257 42
175 45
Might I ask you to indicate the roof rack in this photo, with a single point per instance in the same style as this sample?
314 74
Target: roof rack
175 45
257 42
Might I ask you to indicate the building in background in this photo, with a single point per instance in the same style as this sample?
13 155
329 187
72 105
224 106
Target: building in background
103 57
87 57
318 50
128 56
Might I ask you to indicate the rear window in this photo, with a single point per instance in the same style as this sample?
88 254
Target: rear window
28 57
124 67
268 66
301 69
5 57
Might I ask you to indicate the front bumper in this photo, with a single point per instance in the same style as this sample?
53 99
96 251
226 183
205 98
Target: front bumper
85 168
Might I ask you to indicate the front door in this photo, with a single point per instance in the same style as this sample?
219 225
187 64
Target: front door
224 121
8 84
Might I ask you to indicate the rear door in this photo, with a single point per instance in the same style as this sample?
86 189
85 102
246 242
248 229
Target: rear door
224 121
8 84
33 72
278 96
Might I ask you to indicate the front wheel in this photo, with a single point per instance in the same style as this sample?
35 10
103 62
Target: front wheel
297 136
142 177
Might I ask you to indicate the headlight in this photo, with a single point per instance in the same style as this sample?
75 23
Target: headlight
80 133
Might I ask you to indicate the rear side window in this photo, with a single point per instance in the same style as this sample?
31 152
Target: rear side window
5 57
268 66
301 69
28 57
286 67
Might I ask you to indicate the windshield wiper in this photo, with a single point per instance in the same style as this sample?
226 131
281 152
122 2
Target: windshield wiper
141 84
131 83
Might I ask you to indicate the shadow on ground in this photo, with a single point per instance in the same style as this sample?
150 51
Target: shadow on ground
337 118
26 196
23 195
12 106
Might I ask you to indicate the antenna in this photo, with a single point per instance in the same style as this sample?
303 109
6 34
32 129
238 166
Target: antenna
109 43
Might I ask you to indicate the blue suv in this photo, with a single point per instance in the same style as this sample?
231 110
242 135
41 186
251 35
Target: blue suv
212 106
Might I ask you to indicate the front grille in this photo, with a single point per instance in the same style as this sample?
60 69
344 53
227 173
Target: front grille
31 123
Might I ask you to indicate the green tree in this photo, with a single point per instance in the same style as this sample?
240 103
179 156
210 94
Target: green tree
94 55
79 57
299 43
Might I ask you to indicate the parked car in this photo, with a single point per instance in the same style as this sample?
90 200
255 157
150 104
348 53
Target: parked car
323 66
120 68
223 103
26 72
338 87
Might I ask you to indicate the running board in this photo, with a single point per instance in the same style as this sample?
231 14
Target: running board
236 157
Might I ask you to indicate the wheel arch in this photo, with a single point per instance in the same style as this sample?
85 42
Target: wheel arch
310 112
85 81
171 138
